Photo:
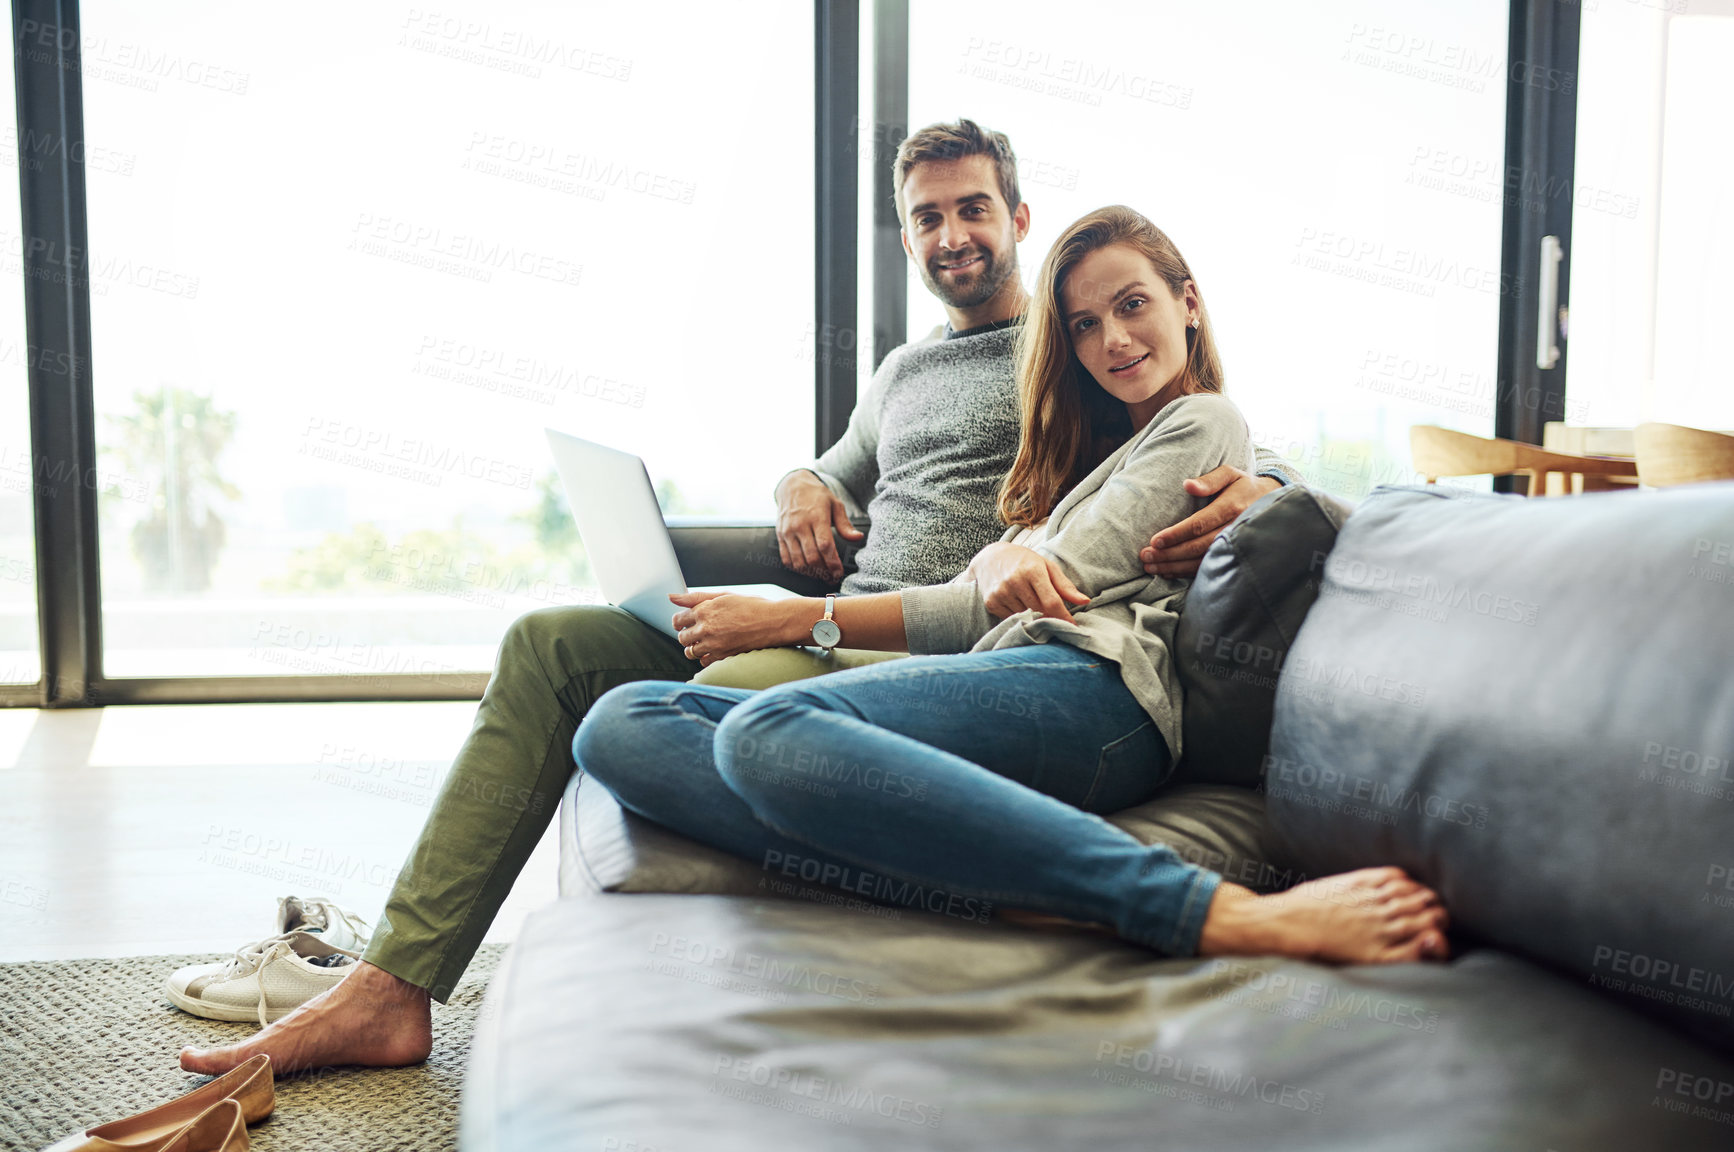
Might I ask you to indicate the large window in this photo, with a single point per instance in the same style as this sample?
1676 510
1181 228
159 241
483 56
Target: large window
346 269
20 660
1332 172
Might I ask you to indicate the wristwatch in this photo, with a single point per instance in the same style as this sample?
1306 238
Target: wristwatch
826 634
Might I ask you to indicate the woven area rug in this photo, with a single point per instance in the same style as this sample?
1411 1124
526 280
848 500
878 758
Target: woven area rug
86 1041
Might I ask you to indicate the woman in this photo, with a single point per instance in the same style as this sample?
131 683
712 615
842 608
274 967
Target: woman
972 779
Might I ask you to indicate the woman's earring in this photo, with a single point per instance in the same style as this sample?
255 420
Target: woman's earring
1195 321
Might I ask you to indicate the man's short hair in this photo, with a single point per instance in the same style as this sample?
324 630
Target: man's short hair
954 142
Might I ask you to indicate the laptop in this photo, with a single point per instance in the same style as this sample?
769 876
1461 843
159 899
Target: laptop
630 552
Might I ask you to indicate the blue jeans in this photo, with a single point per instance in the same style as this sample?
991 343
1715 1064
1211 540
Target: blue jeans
963 781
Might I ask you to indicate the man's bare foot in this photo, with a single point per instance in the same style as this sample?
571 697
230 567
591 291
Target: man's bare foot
1370 916
371 1018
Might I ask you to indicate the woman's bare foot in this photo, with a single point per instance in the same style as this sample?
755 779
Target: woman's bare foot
371 1018
1370 916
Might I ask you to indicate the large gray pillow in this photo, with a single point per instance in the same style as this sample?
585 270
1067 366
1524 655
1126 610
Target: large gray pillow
1529 705
1253 589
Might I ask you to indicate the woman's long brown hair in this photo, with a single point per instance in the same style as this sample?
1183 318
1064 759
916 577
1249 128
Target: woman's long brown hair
1070 423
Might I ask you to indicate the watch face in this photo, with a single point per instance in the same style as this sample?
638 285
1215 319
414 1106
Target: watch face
826 633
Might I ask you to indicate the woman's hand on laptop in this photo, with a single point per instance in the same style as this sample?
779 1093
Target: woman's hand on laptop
713 626
1015 579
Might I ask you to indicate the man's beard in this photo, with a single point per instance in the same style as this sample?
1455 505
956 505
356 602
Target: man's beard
977 288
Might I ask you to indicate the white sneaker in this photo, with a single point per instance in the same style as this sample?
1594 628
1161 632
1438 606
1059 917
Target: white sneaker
324 919
265 980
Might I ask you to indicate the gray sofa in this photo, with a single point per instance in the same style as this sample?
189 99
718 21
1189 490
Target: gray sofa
676 998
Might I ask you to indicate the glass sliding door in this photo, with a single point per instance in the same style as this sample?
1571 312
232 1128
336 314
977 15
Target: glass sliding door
1654 223
1333 172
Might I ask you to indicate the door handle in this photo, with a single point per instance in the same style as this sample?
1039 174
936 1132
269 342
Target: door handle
1547 321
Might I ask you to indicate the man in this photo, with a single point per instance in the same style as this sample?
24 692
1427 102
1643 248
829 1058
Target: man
923 454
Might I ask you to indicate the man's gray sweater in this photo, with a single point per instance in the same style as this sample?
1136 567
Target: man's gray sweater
924 454
923 457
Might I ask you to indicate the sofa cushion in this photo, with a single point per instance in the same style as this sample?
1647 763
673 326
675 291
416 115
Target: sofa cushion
1528 705
605 848
1253 589
740 1025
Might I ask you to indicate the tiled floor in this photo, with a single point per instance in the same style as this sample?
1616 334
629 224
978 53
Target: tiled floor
131 831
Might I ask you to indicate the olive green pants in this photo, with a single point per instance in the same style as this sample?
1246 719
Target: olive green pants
506 782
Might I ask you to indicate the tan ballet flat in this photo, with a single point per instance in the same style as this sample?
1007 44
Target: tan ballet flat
249 1085
220 1128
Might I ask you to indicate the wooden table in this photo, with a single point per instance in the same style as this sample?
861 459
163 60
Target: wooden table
1580 440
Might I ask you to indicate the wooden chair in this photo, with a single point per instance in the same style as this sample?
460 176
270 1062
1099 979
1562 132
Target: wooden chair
1440 452
1670 454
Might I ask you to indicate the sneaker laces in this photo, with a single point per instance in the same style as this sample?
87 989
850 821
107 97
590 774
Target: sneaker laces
251 959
